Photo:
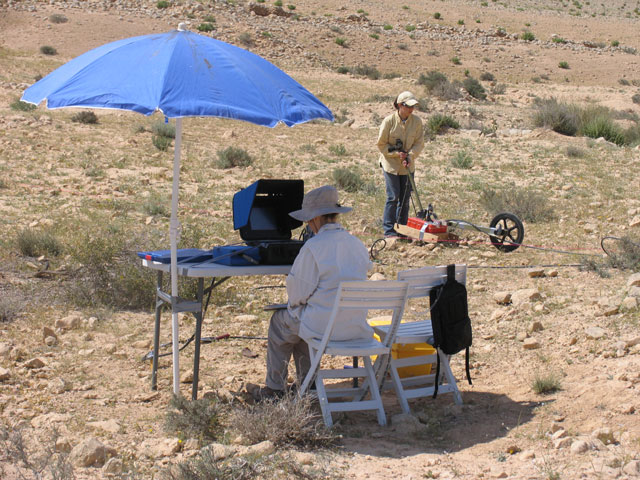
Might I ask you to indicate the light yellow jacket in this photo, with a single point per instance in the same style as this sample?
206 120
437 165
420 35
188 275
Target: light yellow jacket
410 132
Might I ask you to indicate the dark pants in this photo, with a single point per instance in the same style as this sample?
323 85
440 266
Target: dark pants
396 210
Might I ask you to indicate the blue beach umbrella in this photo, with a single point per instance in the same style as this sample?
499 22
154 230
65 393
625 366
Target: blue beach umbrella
180 74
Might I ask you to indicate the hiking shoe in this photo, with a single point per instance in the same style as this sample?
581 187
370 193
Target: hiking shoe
265 393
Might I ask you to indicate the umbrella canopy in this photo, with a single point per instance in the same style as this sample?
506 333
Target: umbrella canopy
181 74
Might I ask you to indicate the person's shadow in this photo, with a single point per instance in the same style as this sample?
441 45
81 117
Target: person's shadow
443 426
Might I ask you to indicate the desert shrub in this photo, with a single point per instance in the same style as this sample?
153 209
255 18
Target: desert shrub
33 459
439 123
624 253
462 159
437 15
278 3
526 204
108 271
474 88
387 27
338 150
33 243
410 28
368 71
624 82
343 70
155 204
10 307
403 46
558 40
162 4
161 142
48 50
245 39
575 152
545 383
206 27
58 18
289 421
590 264
499 89
86 116
528 36
632 135
347 180
487 77
233 157
21 106
194 418
601 125
341 41
559 117
460 22
564 65
209 19
432 79
636 98
615 43
291 7
456 60
164 129
266 467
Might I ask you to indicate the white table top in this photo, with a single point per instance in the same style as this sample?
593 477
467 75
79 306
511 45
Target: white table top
208 269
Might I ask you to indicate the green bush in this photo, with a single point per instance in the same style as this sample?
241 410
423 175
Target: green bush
21 106
206 27
474 88
348 180
387 27
545 384
558 40
33 243
48 50
410 28
636 98
603 126
164 129
437 16
528 36
462 160
368 71
278 3
564 65
338 150
432 80
58 18
162 4
194 418
161 142
632 135
559 117
440 123
245 39
86 117
456 61
232 157
438 85
526 204
341 41
487 77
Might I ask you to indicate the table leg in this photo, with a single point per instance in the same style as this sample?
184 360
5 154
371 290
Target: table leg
196 353
156 335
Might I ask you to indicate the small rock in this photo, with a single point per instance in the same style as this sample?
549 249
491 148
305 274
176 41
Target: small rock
525 295
50 341
63 445
629 303
552 273
531 344
69 322
562 443
376 277
59 385
110 426
4 374
535 326
90 453
635 221
556 427
261 449
528 455
113 466
522 336
561 433
220 451
580 446
632 342
406 423
634 280
246 318
632 468
536 272
502 298
186 377
605 435
595 333
304 458
34 363
48 332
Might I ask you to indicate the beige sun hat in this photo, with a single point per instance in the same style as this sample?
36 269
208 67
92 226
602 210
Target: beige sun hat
320 201
407 98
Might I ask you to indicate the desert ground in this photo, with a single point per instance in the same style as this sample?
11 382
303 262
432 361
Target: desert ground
76 314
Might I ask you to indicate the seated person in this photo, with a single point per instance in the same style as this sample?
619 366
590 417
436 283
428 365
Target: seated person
331 256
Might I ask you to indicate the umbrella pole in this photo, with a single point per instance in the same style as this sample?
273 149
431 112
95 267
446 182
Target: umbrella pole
173 237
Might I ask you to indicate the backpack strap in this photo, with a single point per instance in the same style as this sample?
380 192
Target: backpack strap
467 366
437 380
451 272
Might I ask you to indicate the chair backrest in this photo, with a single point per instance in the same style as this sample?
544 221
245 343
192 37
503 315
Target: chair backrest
369 295
422 280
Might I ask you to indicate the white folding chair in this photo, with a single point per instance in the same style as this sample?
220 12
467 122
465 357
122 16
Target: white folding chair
361 296
421 281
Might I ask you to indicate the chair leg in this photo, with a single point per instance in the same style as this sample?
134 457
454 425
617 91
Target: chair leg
375 392
448 374
323 400
313 369
397 385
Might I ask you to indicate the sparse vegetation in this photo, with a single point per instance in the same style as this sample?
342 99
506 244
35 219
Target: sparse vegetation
245 39
527 204
487 77
86 116
194 418
48 50
338 150
456 61
206 27
564 65
528 36
558 116
462 159
20 106
347 180
546 383
440 123
232 157
474 88
33 243
162 4
437 15
58 18
341 41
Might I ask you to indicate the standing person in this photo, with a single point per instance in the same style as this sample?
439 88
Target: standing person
331 256
404 130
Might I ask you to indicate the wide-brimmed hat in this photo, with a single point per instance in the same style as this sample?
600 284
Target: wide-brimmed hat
320 201
407 98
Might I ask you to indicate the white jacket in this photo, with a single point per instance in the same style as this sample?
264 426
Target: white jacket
333 255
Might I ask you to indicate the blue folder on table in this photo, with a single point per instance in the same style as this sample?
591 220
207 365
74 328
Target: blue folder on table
184 255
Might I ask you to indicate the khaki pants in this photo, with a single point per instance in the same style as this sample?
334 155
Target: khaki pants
284 341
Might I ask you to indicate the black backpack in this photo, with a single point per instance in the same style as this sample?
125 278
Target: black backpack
450 320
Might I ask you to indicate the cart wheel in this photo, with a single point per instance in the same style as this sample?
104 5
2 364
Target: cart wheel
512 232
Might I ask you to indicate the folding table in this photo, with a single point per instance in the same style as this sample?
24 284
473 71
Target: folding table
199 270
